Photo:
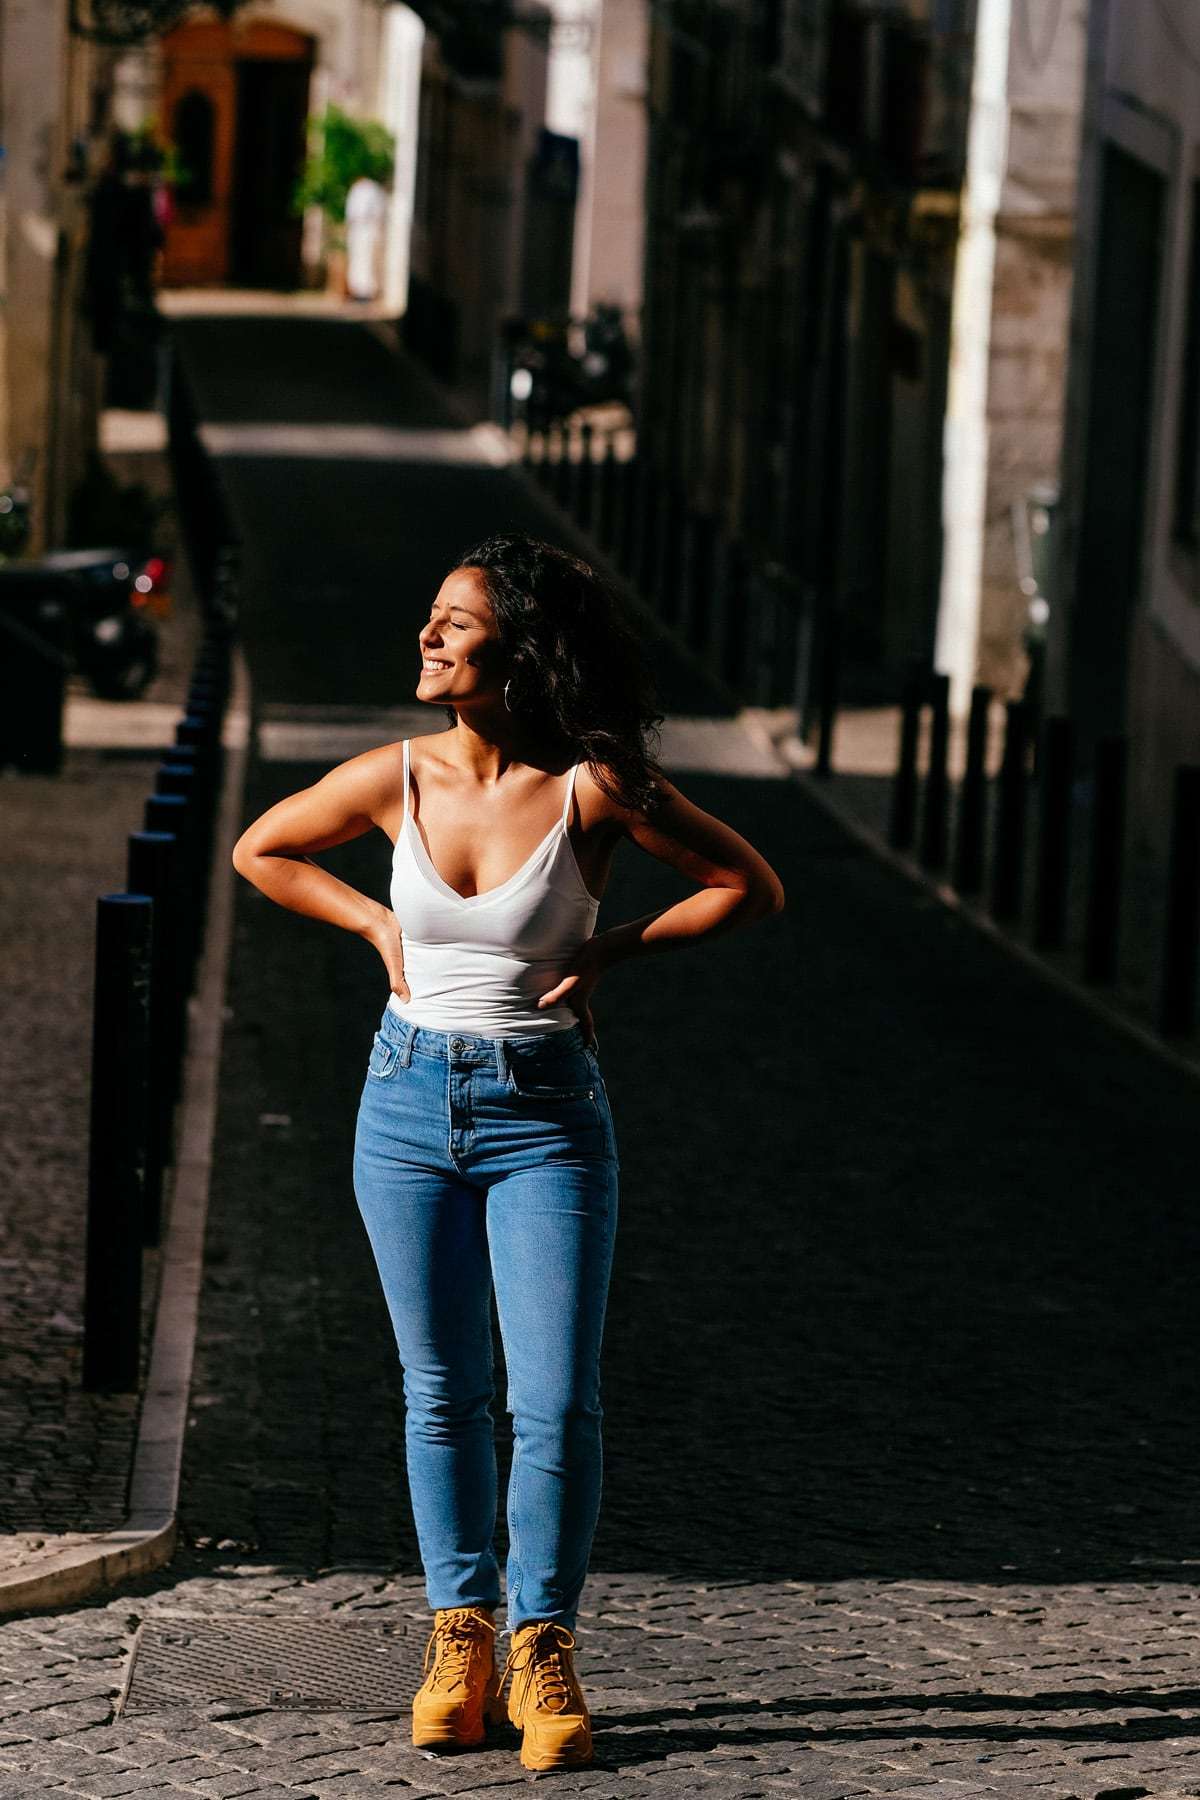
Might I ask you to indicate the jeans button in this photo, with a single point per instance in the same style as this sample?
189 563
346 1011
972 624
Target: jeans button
456 1044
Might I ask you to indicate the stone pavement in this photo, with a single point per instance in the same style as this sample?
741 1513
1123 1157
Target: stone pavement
901 1357
64 1453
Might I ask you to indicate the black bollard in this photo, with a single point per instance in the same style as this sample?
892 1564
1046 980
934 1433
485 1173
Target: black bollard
585 479
210 678
545 467
204 696
201 760
213 658
903 819
664 593
202 727
180 779
937 781
562 468
628 489
701 581
1181 943
209 685
1106 873
607 491
718 599
528 459
171 812
683 574
1010 814
650 488
828 670
117 1143
972 799
151 871
730 639
1056 759
173 777
193 756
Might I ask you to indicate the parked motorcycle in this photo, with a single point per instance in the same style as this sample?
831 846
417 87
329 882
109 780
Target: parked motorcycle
110 591
555 367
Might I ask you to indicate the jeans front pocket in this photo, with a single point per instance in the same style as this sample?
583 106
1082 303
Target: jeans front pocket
537 1077
384 1059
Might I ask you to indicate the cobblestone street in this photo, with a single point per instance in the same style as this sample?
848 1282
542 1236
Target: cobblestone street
902 1353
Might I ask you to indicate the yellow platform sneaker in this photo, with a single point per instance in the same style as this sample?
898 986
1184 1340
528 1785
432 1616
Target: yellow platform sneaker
460 1696
545 1701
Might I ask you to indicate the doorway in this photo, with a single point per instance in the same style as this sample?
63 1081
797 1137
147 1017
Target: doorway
264 233
235 104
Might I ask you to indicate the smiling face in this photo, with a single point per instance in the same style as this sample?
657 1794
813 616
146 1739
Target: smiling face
460 644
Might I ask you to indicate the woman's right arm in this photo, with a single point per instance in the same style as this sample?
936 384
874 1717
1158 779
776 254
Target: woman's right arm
274 853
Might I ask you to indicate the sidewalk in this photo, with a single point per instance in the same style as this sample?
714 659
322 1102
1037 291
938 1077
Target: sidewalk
901 1361
65 1454
858 793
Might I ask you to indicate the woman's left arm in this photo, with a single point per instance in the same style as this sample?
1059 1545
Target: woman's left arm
737 885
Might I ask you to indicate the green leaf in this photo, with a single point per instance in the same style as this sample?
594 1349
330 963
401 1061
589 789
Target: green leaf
345 148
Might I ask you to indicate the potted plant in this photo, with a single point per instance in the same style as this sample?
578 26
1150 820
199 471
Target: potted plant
343 149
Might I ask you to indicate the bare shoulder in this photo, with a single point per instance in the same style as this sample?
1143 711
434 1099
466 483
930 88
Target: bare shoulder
600 809
602 804
603 809
344 803
374 779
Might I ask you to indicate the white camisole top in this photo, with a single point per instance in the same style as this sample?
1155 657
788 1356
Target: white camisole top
478 964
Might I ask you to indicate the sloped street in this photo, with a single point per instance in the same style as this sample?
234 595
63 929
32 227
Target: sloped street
902 1350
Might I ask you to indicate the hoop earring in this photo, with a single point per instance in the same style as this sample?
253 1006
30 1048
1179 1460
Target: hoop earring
507 702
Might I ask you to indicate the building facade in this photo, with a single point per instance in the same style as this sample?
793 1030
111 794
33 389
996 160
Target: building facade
1009 340
482 112
805 166
531 174
236 98
1124 651
54 87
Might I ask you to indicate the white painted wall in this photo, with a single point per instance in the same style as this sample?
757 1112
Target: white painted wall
397 103
966 433
49 375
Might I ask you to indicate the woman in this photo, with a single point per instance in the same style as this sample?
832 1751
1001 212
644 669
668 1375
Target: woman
485 1153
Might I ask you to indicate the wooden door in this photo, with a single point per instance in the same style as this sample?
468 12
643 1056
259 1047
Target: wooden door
211 87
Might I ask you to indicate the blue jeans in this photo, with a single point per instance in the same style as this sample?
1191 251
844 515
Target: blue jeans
481 1162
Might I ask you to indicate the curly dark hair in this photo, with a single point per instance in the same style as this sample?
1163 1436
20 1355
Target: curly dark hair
578 671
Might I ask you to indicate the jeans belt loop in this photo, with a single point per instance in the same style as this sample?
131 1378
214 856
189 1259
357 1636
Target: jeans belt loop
501 1061
408 1032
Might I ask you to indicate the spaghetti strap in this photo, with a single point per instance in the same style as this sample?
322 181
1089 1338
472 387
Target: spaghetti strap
404 813
566 811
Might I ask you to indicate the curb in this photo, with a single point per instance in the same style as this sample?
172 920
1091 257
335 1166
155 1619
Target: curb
147 1539
810 785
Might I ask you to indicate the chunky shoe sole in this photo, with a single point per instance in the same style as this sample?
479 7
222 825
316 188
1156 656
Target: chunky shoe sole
543 1753
458 1733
